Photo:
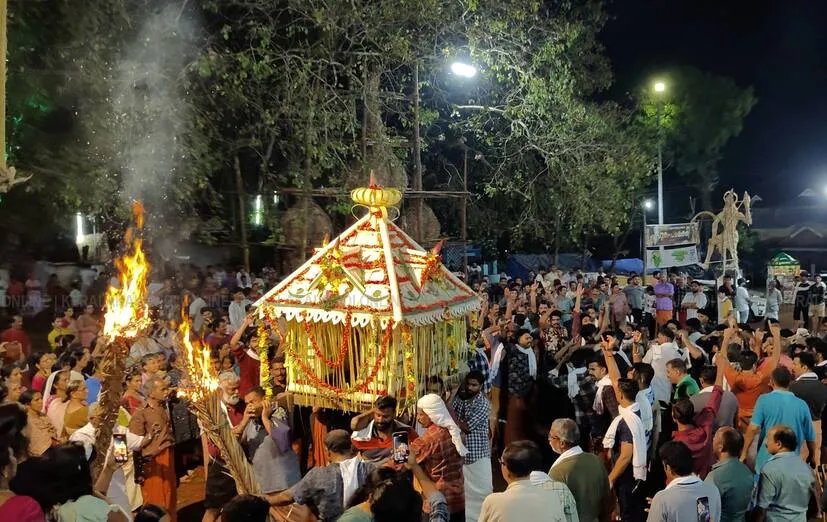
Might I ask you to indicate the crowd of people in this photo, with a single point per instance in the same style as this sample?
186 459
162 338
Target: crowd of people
588 400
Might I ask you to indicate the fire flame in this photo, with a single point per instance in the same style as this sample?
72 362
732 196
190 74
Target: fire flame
197 366
127 311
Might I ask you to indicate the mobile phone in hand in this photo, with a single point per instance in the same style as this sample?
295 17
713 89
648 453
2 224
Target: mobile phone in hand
120 451
704 514
401 450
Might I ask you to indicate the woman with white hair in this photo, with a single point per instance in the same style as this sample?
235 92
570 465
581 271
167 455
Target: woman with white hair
440 452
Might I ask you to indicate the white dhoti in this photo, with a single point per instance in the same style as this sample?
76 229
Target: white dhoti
478 485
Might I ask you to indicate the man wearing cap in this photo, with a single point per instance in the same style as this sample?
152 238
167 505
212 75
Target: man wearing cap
440 451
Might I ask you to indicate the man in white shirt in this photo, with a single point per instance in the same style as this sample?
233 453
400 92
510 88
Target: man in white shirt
686 497
197 303
693 301
742 301
243 279
220 276
522 500
657 356
237 311
122 488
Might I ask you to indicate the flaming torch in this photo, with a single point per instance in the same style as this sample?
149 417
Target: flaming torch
200 386
127 316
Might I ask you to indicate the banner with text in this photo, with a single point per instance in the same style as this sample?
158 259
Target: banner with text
669 257
671 235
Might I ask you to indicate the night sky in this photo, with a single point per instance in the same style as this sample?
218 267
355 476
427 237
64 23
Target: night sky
780 48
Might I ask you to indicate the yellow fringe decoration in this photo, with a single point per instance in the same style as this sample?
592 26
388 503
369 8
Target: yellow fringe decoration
413 354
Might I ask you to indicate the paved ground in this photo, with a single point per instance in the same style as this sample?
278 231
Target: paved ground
191 498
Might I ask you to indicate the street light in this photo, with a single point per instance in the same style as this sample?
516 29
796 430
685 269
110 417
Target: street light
79 228
648 205
660 87
463 69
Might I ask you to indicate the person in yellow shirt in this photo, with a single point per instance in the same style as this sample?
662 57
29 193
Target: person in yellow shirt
59 329
724 307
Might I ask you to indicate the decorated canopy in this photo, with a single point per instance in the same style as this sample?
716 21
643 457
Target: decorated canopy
370 313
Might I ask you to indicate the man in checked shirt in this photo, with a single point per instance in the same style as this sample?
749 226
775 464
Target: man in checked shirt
473 409
573 376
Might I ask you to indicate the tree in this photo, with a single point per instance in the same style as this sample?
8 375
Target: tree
702 113
315 93
567 164
100 115
266 95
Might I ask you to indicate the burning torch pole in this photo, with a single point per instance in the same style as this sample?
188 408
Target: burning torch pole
127 317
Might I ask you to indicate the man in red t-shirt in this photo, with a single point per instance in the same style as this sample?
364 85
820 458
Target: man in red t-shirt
373 430
16 333
246 358
219 334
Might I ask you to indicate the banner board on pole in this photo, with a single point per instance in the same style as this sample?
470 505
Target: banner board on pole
671 235
669 257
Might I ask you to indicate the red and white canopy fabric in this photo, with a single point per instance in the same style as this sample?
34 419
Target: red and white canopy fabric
372 271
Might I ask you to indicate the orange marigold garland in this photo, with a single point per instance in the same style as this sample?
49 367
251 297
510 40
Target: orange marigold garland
383 351
343 345
363 387
432 271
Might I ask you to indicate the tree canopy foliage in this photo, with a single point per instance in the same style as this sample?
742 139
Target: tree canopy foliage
190 105
700 113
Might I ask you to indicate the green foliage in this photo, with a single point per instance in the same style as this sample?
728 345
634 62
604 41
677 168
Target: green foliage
564 165
700 113
100 115
311 93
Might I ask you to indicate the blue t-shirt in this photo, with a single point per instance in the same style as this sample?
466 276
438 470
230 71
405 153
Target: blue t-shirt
93 387
781 407
566 305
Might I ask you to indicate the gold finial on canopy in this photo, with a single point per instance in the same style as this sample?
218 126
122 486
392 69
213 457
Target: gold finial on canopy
375 196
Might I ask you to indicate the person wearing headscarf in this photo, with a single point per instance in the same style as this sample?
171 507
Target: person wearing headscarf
440 451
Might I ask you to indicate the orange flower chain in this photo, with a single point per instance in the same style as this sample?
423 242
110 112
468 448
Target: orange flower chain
320 383
343 345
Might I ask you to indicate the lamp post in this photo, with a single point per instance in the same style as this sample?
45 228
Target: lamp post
464 70
660 88
646 206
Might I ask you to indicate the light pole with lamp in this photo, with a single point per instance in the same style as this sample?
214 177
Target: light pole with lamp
660 88
646 206
464 70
